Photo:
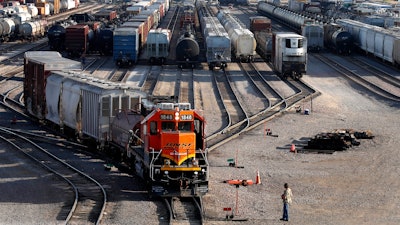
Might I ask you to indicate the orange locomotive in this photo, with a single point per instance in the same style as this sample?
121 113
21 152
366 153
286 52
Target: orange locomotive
166 148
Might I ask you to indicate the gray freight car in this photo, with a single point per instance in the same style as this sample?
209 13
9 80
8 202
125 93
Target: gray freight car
217 42
85 105
380 42
315 36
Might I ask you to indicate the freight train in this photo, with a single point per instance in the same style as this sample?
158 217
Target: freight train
262 30
242 40
338 39
302 25
310 28
289 54
187 48
217 42
163 143
374 40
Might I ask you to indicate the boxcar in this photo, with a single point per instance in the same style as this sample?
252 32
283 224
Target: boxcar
37 67
126 46
78 38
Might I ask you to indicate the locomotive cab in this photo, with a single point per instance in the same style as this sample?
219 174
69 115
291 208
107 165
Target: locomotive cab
174 141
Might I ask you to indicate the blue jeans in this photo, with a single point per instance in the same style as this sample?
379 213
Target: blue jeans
285 211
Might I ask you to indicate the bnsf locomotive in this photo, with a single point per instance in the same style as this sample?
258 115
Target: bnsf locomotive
166 148
163 143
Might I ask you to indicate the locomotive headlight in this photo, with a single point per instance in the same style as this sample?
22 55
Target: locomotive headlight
195 173
166 172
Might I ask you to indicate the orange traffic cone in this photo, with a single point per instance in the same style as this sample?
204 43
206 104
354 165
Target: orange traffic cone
258 179
293 148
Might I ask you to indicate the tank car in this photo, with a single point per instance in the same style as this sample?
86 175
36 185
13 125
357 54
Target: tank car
187 49
338 39
289 54
242 40
166 148
56 35
32 9
157 45
32 30
284 16
262 30
264 44
7 28
217 42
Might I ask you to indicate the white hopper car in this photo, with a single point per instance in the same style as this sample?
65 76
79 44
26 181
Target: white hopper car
157 45
242 39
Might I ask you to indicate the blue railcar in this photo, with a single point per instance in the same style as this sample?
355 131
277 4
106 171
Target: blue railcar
104 41
126 46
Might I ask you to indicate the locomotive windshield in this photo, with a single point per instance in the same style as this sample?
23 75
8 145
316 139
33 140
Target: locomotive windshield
294 43
184 126
168 126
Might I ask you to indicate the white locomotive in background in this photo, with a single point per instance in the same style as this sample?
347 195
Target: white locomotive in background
289 54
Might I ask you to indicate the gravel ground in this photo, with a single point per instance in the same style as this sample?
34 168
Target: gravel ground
357 186
29 193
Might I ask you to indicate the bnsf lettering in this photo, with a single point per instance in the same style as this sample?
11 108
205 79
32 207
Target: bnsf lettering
175 145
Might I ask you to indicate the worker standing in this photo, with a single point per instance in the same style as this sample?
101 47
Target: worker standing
287 199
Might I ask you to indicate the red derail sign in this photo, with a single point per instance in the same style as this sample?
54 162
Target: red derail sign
227 209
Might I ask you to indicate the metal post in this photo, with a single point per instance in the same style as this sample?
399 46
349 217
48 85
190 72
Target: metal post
237 200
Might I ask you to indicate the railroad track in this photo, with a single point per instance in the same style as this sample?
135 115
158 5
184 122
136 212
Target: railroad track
239 120
90 197
384 76
185 210
118 75
236 115
184 86
382 89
